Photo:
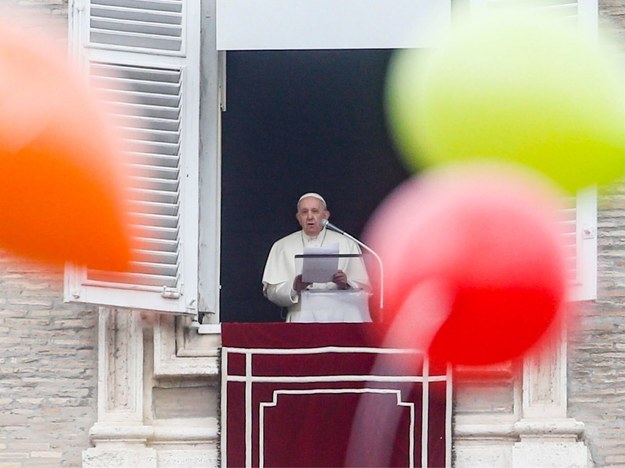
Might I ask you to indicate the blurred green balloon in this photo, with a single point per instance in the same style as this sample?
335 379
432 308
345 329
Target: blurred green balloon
525 88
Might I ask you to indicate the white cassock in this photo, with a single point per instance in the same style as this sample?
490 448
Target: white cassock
281 270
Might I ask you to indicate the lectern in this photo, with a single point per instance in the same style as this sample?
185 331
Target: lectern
330 305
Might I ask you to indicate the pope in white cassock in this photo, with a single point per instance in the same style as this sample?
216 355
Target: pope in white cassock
344 299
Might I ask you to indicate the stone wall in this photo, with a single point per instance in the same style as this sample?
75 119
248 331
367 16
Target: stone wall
48 368
48 359
49 8
597 350
38 13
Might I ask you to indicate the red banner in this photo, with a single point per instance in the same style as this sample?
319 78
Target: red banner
303 395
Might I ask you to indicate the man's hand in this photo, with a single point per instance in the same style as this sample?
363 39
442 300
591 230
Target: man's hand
298 284
340 278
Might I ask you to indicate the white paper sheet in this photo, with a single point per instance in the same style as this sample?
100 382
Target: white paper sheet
320 263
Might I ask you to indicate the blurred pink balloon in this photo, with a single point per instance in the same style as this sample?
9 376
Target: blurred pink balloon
474 262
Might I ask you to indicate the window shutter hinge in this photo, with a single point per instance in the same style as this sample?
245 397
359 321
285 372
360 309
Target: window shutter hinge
221 71
170 293
588 232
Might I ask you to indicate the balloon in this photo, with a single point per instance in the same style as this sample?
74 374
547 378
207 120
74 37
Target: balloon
475 269
524 88
61 176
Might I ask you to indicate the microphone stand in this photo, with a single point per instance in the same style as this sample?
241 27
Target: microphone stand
328 224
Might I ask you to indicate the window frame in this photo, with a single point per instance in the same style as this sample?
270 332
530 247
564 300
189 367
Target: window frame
204 68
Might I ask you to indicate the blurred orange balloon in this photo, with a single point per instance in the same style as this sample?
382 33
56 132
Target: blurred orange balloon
61 172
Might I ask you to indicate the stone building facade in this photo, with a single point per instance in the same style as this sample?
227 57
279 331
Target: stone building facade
48 354
48 364
596 386
88 386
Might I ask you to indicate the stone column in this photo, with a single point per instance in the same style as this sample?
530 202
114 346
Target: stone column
548 438
120 435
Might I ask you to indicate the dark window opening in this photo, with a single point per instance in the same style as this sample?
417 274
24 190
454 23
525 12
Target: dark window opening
297 121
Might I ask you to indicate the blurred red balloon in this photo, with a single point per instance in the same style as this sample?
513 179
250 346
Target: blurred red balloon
61 177
474 263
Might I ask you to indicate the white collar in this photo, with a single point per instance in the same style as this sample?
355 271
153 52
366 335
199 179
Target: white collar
307 239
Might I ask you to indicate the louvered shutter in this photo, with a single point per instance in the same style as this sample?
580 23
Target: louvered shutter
143 56
583 242
581 214
567 7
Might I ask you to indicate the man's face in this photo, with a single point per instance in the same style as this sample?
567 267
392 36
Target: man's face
310 213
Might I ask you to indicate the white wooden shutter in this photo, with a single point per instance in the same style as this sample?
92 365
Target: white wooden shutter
584 12
582 243
330 24
581 216
144 56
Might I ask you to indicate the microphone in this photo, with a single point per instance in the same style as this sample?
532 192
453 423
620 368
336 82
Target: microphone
329 225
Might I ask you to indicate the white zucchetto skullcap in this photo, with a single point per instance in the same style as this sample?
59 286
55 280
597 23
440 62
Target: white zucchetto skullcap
312 195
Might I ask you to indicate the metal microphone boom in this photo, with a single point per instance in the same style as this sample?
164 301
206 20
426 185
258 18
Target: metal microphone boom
329 225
